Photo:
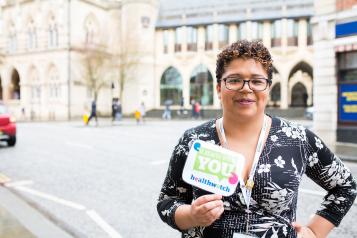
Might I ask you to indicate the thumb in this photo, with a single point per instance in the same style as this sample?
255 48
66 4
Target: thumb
297 226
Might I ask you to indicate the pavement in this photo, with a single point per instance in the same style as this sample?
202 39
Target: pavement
19 219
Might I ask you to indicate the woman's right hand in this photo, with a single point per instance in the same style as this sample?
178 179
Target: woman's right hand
206 209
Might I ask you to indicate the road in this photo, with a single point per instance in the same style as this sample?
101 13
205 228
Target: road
104 181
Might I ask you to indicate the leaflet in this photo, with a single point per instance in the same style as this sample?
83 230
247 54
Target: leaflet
213 168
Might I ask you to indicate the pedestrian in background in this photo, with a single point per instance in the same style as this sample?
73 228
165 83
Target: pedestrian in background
114 109
182 104
137 116
197 108
193 111
119 113
167 112
142 112
93 113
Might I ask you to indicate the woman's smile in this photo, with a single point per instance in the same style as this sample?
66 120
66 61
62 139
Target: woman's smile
244 101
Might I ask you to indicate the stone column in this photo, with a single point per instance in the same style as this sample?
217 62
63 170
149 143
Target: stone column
325 87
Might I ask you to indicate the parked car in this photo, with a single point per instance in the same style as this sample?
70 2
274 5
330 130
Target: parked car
309 113
7 126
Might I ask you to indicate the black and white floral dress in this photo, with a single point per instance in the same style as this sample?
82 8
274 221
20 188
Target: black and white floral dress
290 151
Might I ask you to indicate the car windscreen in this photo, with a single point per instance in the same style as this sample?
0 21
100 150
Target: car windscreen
2 109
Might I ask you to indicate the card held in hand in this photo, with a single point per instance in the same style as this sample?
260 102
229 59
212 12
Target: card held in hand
213 168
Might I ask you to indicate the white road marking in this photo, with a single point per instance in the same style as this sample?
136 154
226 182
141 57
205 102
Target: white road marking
91 213
158 162
19 183
312 192
79 145
103 224
52 198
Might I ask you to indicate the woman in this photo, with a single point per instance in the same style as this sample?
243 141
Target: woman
244 72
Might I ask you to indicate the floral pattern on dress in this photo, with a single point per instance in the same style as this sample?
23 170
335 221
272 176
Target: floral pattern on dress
291 151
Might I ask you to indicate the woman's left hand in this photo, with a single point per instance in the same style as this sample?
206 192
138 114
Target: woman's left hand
303 231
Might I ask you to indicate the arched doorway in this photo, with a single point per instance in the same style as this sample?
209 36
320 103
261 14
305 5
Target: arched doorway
301 85
15 91
275 95
299 95
171 86
201 85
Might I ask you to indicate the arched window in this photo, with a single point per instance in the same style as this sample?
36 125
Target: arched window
31 35
54 83
15 92
299 95
35 84
52 32
171 86
12 38
201 85
91 29
275 95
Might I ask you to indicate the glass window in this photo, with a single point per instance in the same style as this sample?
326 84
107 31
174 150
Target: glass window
31 36
275 96
191 38
178 39
257 30
12 47
242 31
209 37
309 33
201 85
166 41
35 85
347 66
223 35
171 87
52 33
91 29
276 33
293 28
54 83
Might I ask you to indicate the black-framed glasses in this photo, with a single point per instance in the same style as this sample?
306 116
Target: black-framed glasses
255 84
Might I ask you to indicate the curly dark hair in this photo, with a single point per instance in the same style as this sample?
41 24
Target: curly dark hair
246 50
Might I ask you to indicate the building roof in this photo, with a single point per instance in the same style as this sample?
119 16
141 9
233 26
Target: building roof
174 13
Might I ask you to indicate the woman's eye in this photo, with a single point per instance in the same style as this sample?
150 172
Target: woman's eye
234 81
257 81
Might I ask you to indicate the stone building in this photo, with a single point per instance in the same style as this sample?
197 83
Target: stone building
165 50
335 70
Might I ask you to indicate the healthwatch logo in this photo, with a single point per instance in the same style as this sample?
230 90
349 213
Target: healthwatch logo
213 168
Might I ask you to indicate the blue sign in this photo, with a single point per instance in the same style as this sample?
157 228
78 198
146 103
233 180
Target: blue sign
346 29
348 102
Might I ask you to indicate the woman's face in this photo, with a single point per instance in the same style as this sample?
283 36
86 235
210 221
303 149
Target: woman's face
243 103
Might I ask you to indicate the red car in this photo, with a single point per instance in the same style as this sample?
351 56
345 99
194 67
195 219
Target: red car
7 126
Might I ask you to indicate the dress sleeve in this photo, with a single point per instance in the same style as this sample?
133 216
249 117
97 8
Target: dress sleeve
328 171
175 192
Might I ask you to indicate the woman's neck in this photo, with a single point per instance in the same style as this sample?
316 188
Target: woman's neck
242 127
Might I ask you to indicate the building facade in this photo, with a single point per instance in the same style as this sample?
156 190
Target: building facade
335 74
166 52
